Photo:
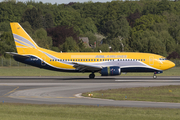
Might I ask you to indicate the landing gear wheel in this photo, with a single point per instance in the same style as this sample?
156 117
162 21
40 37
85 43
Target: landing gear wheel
91 76
154 76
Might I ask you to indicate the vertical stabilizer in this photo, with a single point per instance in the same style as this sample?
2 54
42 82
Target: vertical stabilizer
22 40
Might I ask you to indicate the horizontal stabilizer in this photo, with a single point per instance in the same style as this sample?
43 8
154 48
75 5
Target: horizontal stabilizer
18 55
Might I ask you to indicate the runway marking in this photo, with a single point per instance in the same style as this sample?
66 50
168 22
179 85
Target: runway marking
36 97
79 95
11 91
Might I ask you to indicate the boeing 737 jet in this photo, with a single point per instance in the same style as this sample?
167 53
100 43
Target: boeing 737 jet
106 63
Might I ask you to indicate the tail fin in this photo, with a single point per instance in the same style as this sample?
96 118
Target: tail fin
22 39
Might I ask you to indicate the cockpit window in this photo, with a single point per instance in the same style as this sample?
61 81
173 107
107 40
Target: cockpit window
162 59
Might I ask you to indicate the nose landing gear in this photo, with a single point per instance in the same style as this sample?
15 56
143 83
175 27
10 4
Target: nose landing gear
154 76
157 72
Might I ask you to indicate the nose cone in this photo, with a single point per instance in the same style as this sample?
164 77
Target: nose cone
170 64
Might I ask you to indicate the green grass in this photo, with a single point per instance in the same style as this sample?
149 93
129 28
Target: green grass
72 112
33 71
155 94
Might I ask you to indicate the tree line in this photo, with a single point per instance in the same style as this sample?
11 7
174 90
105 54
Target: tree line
151 26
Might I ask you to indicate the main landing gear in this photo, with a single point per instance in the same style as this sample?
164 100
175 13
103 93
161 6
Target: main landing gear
91 76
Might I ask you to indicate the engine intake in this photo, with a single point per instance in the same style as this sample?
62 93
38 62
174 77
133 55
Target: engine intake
110 71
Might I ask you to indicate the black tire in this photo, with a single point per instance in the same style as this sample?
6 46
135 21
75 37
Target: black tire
154 76
91 76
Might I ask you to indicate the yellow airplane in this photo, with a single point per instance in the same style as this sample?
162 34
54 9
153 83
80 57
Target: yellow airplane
106 63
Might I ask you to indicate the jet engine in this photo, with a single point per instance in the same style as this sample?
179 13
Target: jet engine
110 71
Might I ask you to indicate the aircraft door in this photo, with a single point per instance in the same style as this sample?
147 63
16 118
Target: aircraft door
43 61
151 60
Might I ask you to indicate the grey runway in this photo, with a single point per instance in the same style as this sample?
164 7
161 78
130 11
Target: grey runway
66 90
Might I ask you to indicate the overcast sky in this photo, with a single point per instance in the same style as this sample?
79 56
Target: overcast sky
63 1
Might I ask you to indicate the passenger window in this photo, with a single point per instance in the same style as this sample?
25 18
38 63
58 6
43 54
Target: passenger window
94 59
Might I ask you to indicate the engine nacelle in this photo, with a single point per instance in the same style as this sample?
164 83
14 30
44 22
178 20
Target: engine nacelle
110 71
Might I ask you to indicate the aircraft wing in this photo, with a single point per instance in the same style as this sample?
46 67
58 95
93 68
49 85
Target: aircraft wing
17 55
85 67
